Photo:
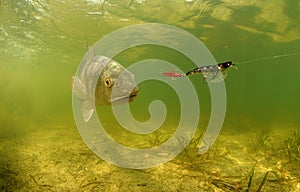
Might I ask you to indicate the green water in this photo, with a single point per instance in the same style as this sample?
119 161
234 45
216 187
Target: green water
43 42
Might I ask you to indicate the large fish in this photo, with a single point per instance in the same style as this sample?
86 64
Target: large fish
95 89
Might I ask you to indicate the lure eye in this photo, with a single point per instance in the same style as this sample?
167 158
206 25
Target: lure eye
108 82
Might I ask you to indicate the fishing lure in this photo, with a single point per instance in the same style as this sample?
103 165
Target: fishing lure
218 72
213 73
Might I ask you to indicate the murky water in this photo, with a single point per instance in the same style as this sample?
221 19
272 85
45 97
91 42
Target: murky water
43 42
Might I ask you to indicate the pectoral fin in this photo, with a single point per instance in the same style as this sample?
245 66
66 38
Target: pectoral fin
79 88
87 110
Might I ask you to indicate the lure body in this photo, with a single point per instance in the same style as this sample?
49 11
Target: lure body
212 73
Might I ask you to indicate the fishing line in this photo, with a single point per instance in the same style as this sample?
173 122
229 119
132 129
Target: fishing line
210 71
270 57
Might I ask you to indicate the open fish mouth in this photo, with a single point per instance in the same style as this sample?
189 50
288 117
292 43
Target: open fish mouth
125 98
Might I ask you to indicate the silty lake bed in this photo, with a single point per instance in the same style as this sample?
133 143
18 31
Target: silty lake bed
43 42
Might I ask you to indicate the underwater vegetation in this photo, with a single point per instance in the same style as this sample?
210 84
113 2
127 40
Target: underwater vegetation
262 138
290 148
157 139
260 185
292 145
240 185
194 144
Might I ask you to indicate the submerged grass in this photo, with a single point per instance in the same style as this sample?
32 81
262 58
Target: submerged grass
292 145
235 184
262 138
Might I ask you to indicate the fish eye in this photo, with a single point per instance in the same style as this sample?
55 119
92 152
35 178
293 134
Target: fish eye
108 82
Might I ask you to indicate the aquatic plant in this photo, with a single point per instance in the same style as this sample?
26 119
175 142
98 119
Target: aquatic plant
157 139
263 137
193 145
238 185
292 145
195 141
251 174
262 183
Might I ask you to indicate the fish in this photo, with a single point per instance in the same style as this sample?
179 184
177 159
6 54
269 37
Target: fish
94 89
213 73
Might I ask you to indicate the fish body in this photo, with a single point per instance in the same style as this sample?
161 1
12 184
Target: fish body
93 88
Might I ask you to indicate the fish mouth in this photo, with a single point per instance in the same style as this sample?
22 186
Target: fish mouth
125 98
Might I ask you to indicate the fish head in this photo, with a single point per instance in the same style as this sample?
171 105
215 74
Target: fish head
115 85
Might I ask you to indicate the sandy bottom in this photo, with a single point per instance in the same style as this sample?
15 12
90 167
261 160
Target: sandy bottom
57 159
